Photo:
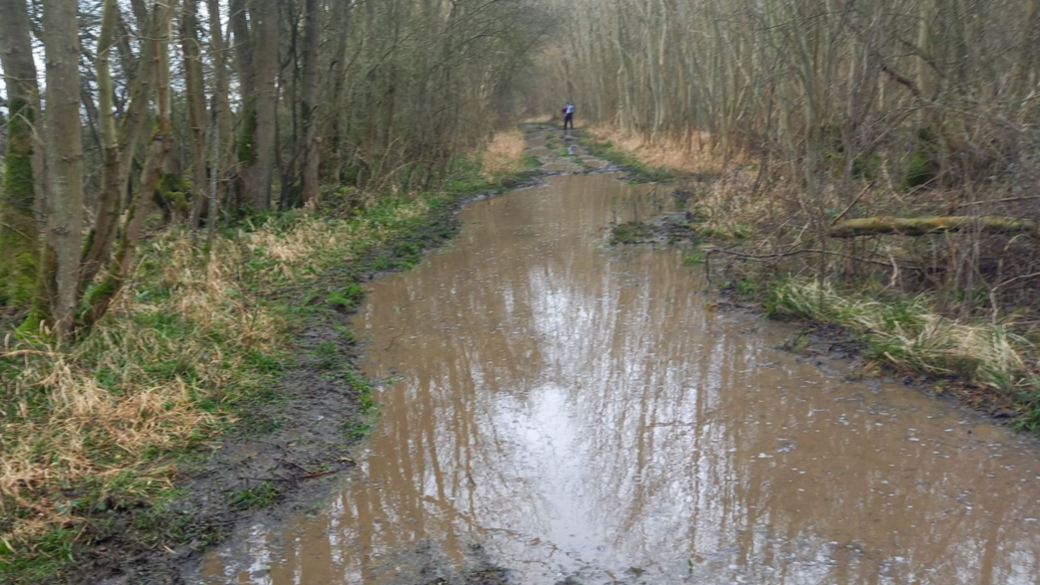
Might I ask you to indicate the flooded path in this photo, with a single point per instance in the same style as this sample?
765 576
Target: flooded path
577 411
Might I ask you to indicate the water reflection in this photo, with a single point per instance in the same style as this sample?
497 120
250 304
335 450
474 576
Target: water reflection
576 409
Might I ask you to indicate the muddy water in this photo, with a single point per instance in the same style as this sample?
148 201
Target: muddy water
578 411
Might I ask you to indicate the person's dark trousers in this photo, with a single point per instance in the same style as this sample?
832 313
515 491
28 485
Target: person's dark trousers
568 119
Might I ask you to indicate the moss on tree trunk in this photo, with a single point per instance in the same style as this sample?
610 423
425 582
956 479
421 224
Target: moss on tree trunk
19 234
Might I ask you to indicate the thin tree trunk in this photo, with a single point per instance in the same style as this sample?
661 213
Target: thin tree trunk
339 92
245 135
211 220
265 69
190 48
221 100
312 33
98 239
118 148
115 276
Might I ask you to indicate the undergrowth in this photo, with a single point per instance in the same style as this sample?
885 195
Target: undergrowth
190 347
738 208
908 334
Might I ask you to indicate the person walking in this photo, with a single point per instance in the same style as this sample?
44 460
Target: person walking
568 115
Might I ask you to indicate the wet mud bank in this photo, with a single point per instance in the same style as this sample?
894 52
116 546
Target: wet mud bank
560 410
286 456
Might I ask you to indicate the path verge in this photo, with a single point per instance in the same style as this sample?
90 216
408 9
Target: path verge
219 390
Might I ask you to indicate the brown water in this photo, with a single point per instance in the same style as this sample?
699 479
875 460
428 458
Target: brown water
577 410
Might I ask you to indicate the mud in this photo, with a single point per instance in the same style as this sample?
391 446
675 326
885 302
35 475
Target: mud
559 410
668 229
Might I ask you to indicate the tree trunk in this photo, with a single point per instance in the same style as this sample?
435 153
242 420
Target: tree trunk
23 166
239 23
55 302
221 100
245 134
338 145
258 175
190 48
312 42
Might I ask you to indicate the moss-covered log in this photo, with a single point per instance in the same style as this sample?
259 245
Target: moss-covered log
921 226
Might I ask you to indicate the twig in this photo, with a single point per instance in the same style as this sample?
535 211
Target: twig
1005 200
851 205
268 479
21 352
322 473
1016 279
804 251
387 348
904 81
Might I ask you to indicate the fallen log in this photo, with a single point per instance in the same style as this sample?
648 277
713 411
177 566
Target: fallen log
921 226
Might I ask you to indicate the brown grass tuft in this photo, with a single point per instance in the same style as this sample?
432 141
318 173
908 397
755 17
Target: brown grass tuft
693 157
504 155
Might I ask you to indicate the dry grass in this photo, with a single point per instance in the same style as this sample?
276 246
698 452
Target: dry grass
504 155
667 153
185 343
730 207
911 336
726 203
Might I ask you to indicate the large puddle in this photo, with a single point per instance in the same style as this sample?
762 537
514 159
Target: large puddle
578 411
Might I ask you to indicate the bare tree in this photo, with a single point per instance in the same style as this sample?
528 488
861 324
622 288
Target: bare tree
312 43
261 156
191 49
119 267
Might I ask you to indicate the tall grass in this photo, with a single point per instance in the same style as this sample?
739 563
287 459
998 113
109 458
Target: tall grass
908 334
189 342
665 153
504 156
726 205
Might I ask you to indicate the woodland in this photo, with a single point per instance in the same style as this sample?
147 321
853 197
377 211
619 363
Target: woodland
168 164
168 168
870 164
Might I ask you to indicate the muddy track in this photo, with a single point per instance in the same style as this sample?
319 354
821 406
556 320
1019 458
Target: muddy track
582 413
284 457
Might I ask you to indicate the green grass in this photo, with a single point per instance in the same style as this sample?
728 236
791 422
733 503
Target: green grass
348 298
907 334
263 495
693 258
632 232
